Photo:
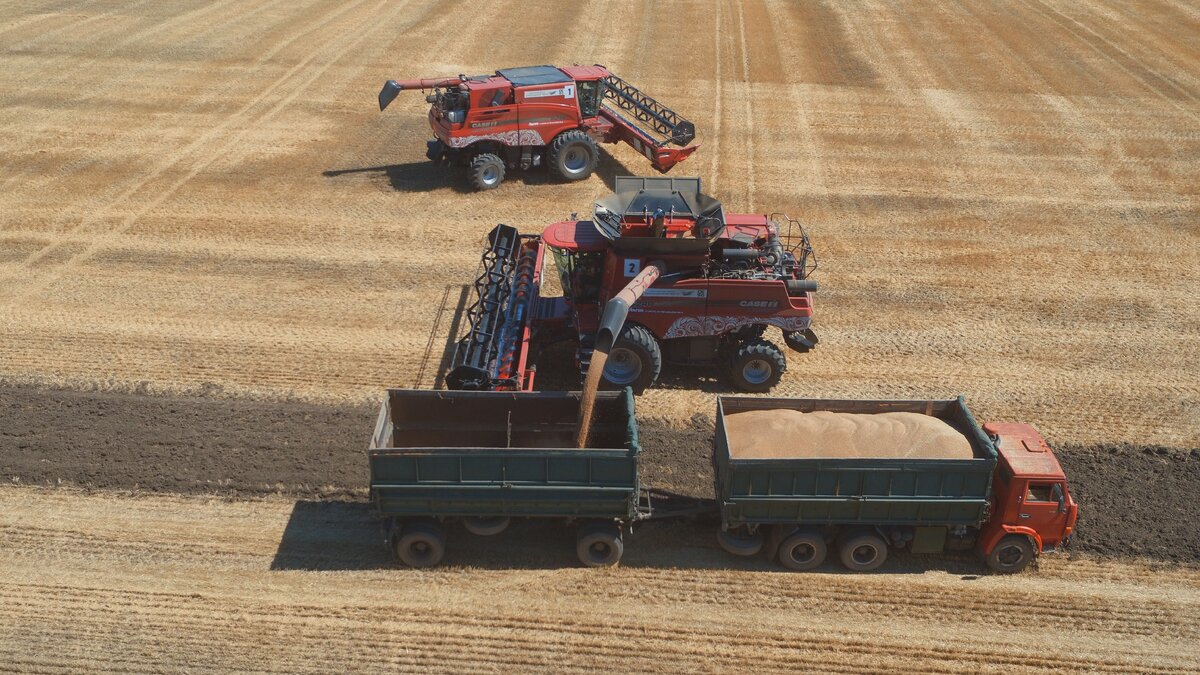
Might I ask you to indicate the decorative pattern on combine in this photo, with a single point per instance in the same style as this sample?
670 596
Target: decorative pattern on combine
521 137
692 326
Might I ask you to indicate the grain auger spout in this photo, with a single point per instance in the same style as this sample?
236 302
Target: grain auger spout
616 310
392 88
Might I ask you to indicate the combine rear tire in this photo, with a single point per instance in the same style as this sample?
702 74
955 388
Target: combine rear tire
573 155
862 551
486 171
421 544
803 550
757 365
740 542
600 545
1011 554
635 359
486 527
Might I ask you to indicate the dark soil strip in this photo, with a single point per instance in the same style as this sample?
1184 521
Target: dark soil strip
1135 501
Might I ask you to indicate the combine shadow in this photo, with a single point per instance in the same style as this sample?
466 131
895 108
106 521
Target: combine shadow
347 536
424 176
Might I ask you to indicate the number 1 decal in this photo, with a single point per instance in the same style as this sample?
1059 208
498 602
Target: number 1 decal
632 267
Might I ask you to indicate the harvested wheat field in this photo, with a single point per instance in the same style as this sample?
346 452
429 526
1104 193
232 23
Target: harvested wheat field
207 227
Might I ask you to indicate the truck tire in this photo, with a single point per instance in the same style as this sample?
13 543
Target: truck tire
486 527
862 551
757 365
803 550
421 544
573 155
1011 554
486 171
635 359
599 545
740 542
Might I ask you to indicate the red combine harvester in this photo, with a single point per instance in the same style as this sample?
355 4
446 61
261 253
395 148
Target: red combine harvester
697 285
542 115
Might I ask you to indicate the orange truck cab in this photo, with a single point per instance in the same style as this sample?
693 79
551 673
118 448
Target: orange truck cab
1032 508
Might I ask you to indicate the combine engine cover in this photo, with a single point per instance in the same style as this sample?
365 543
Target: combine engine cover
493 353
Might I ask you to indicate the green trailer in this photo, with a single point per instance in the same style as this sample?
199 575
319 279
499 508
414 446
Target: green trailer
799 507
482 458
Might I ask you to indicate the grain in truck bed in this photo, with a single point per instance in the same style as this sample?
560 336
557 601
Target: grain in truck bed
792 434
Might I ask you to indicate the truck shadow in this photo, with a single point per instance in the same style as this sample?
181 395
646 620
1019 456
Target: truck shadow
347 536
424 176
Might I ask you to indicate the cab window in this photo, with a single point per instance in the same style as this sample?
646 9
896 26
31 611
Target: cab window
1043 492
588 94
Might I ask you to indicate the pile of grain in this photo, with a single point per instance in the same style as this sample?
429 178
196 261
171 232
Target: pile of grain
793 434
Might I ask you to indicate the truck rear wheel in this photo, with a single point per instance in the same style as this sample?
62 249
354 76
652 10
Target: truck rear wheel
803 550
421 544
600 545
863 551
486 527
486 171
573 155
757 365
1011 554
740 542
635 359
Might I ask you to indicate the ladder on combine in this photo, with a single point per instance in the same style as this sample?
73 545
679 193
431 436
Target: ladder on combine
646 124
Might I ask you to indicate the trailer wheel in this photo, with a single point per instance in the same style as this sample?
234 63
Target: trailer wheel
740 542
486 527
635 359
757 365
486 171
421 544
600 545
573 155
863 551
1011 554
803 550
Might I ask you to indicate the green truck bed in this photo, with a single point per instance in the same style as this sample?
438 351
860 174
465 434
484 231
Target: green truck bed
485 454
826 491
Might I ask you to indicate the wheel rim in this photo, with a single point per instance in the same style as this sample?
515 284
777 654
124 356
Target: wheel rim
803 553
623 367
420 550
599 551
575 159
864 554
1010 555
756 371
490 175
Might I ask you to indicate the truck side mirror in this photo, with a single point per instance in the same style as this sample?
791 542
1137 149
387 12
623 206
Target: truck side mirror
1057 494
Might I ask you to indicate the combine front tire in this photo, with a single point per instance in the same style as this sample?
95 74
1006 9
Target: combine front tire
600 545
486 171
757 365
1011 554
573 155
635 359
421 544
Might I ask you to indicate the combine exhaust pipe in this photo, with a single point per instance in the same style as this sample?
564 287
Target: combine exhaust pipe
616 310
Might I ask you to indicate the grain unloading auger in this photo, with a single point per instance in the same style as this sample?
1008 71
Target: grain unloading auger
541 115
659 274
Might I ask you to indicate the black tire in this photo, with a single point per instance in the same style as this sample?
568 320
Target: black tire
486 527
635 359
420 544
740 542
757 365
1011 554
486 171
862 551
599 545
803 550
573 155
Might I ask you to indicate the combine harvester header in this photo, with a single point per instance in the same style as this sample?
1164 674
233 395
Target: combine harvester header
542 115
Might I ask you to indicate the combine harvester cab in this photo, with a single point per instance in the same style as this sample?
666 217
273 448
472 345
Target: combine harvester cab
483 458
520 118
659 274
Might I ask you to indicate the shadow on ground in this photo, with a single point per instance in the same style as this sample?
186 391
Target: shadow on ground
425 176
347 536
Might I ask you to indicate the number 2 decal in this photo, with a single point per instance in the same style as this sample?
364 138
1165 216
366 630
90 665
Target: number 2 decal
632 267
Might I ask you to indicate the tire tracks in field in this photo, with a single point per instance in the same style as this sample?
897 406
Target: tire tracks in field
298 76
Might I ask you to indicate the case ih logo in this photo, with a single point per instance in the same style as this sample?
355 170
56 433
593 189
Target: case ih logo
763 304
